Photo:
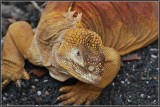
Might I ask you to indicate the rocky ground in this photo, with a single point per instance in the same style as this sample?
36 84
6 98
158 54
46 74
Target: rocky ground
136 83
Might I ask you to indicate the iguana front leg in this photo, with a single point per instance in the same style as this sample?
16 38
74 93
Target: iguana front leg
15 51
83 93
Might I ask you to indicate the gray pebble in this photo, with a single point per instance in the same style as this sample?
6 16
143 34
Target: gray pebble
149 97
153 49
154 56
127 74
5 94
142 78
128 82
122 82
46 93
128 100
4 98
36 80
147 82
45 81
113 84
126 79
23 94
39 93
33 87
142 95
155 78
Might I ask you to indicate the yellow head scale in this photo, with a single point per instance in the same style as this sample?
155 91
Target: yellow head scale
87 38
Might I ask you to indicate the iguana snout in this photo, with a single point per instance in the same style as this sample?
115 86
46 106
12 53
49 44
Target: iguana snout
80 54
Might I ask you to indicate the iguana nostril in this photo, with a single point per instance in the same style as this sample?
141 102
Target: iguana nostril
91 68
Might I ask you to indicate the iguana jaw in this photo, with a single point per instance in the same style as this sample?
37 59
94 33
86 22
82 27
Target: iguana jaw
78 72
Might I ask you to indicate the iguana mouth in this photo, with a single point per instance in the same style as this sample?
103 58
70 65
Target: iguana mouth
80 72
92 77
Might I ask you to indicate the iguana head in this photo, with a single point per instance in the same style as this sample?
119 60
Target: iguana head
80 54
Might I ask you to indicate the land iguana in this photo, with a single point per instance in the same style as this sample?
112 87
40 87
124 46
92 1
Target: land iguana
84 40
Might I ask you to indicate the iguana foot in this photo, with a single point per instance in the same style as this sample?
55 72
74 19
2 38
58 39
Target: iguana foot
16 77
78 94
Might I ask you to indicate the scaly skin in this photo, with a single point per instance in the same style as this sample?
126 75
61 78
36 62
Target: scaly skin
86 48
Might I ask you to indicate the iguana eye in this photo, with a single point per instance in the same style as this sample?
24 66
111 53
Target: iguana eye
76 56
78 53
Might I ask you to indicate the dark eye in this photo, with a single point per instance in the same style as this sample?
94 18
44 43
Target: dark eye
78 53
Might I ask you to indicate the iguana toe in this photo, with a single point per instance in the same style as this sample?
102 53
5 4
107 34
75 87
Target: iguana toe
70 101
18 83
5 83
25 75
66 96
66 89
87 102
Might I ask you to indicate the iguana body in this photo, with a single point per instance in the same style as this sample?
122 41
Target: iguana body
86 48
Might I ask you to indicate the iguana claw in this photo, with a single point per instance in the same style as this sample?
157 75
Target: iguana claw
18 83
5 83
